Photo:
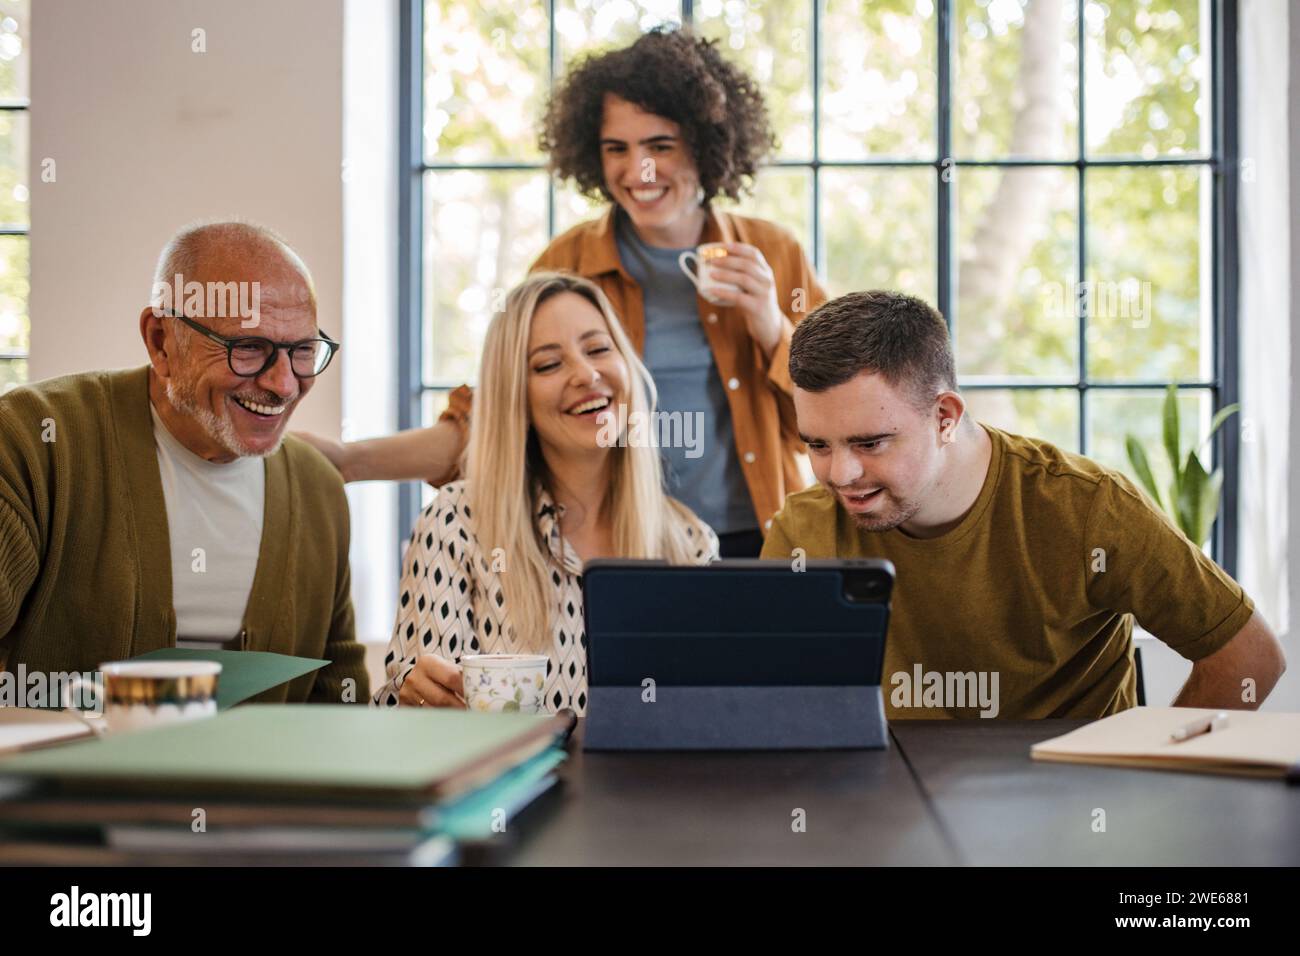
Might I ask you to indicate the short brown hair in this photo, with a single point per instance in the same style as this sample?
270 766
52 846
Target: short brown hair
673 74
891 334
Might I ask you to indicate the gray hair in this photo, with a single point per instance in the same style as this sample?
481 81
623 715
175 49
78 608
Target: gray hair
184 252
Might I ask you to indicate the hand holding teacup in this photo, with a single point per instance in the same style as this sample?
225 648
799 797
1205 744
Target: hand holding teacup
736 275
433 682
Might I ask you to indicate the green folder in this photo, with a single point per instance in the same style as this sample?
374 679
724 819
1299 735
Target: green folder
28 806
295 751
244 674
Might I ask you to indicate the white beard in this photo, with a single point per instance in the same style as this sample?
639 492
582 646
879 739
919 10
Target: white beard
217 427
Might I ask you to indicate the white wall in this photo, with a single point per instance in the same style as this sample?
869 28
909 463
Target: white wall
370 301
1287 116
1268 193
147 135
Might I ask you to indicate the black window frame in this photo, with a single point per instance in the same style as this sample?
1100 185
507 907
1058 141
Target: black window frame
13 229
1222 164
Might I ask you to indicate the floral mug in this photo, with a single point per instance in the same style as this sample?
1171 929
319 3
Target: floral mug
505 682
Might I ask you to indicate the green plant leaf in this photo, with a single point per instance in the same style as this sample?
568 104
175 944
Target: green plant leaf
1221 416
1142 468
1210 503
1193 501
1196 483
1171 442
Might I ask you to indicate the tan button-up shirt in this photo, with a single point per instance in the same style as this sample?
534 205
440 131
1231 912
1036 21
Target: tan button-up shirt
758 388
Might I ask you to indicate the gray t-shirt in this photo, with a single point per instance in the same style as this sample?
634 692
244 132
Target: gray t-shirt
702 470
214 516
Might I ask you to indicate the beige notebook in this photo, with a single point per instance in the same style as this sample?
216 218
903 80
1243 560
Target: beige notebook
1256 744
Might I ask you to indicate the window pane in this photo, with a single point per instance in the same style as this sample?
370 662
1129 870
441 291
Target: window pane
1115 413
13 372
879 93
772 42
1016 79
15 327
14 208
572 208
783 196
879 227
485 74
1016 240
584 26
1148 75
15 49
482 232
1148 298
1049 414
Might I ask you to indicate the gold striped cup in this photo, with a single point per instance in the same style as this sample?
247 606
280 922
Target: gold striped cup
138 694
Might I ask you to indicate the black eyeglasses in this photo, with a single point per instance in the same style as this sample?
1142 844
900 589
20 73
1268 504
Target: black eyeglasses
250 356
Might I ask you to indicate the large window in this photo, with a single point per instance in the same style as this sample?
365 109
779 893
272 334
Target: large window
15 329
1056 176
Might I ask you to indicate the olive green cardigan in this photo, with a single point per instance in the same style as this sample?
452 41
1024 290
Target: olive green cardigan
85 553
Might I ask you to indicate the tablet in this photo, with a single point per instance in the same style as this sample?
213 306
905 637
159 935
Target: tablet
740 654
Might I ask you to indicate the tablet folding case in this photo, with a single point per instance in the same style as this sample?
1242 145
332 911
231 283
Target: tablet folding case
738 655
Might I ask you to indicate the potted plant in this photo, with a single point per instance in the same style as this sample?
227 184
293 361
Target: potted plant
1193 499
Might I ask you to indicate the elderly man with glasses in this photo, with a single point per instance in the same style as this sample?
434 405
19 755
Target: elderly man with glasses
164 505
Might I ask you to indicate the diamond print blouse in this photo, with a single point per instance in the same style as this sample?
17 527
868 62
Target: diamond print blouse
451 603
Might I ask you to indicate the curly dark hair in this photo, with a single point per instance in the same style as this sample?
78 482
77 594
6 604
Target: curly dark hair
674 74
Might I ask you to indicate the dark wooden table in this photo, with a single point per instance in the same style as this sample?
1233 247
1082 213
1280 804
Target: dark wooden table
656 809
945 792
1001 808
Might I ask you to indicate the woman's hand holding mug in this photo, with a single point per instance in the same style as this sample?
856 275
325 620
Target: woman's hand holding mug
433 682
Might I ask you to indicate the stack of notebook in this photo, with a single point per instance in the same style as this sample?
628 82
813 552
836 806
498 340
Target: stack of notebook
303 784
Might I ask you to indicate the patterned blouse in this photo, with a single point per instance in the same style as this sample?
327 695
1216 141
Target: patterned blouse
452 603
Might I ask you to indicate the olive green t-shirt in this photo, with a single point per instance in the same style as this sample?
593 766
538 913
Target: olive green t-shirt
1033 595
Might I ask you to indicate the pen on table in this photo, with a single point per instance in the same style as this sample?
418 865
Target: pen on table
1201 725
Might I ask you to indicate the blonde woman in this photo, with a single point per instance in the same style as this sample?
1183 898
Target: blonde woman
495 561
659 130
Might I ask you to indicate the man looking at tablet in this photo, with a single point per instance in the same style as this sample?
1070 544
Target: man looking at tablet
1016 561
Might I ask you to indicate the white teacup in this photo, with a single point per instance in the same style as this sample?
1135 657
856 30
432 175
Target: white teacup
704 256
505 682
139 694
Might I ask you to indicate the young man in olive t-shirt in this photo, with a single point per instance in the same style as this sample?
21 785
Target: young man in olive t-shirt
1021 567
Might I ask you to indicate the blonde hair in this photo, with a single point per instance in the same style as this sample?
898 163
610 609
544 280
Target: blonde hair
505 472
